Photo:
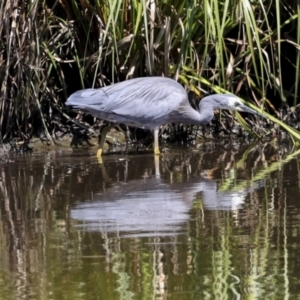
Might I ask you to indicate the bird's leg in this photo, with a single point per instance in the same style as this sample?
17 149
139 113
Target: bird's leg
101 139
156 144
156 166
127 138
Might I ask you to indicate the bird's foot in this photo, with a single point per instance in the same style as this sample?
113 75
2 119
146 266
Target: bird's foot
156 151
99 153
99 156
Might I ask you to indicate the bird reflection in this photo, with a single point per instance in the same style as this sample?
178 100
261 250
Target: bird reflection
152 206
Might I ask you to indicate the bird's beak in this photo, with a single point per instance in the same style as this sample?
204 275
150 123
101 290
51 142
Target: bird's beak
249 110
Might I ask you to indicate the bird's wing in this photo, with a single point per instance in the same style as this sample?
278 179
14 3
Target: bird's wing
149 99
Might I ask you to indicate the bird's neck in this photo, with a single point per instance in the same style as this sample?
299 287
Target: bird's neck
191 116
206 113
186 114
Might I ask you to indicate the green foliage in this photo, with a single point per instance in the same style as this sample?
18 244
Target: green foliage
52 48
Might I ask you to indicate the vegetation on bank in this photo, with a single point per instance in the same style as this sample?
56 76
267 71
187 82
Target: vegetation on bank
50 48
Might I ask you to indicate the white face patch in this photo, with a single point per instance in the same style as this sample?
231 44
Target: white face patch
233 103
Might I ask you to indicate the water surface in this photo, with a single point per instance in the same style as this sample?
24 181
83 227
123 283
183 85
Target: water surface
218 223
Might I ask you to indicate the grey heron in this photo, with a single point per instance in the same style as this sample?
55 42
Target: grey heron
150 102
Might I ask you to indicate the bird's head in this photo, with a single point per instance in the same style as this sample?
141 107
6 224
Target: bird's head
226 101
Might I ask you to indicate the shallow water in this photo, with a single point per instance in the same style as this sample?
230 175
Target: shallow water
218 223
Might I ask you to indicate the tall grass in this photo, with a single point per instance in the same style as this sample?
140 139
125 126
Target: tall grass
52 48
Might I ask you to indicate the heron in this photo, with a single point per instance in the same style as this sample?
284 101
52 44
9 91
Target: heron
149 103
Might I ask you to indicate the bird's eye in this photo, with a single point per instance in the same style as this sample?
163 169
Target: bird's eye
236 104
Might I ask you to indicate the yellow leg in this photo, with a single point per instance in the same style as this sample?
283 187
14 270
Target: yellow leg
156 146
156 166
101 139
99 153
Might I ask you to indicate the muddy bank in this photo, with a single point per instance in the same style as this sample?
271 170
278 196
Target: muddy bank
122 139
115 143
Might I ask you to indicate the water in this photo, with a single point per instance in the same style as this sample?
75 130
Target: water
219 223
